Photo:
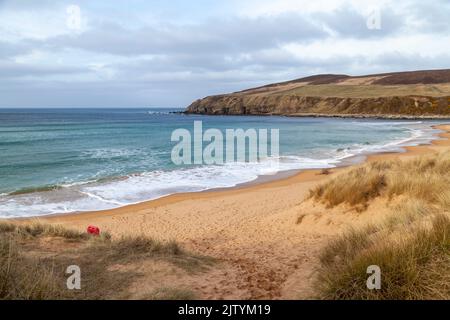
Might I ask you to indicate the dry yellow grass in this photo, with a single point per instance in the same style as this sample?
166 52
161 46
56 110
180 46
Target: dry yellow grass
38 229
425 178
34 258
414 261
22 278
367 91
411 246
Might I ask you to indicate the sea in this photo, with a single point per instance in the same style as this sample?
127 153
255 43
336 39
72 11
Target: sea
55 161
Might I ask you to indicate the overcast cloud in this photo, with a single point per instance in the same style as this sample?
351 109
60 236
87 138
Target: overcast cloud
169 53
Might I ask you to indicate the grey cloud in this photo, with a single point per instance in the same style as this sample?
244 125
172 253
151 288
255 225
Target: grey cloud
432 16
351 24
8 49
403 61
11 70
112 94
153 90
227 36
171 65
27 4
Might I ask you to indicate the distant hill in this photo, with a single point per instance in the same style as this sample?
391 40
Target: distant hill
412 94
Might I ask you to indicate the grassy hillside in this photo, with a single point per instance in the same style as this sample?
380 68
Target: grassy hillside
411 245
408 94
368 91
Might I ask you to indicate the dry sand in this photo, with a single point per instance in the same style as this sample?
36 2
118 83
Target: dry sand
265 239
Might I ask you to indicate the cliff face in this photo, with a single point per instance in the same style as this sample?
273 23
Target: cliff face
421 95
298 105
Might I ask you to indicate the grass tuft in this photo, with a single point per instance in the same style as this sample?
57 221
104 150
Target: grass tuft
145 245
411 246
34 269
22 278
39 229
425 178
414 262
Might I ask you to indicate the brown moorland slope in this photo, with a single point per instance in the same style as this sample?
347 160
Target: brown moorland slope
413 94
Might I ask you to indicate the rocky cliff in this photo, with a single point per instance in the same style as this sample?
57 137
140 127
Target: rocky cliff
399 95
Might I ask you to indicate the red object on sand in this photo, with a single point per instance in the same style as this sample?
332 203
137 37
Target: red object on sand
93 230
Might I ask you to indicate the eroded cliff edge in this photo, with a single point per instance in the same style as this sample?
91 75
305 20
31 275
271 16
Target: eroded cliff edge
419 94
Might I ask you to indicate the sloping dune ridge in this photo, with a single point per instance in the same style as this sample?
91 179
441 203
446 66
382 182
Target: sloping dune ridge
414 94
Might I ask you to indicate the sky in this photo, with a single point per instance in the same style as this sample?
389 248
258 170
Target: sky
155 53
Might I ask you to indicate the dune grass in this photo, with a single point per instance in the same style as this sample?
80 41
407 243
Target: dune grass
412 246
425 178
37 229
23 279
415 263
33 261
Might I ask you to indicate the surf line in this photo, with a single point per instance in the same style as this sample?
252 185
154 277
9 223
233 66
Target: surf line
228 148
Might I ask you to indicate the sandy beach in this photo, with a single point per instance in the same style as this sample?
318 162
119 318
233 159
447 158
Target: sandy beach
265 237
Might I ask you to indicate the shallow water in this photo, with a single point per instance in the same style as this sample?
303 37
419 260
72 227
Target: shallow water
67 160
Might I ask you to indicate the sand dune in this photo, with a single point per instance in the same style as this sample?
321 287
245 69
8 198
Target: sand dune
266 239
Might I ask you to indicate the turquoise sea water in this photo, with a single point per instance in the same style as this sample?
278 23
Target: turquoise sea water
67 160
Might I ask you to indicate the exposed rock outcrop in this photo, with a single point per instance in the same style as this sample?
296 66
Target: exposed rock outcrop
340 95
297 106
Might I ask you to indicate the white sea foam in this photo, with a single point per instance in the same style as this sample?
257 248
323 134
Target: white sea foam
147 186
157 113
92 195
108 153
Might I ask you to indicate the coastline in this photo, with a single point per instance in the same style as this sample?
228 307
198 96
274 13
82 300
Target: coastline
327 115
265 181
252 232
107 175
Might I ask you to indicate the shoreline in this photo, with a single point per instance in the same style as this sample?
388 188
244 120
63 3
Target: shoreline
325 115
279 179
266 239
358 156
